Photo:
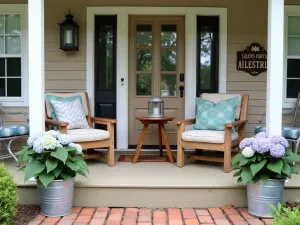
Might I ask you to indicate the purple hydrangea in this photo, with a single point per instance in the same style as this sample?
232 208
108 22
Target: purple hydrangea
262 145
261 135
280 140
277 150
247 142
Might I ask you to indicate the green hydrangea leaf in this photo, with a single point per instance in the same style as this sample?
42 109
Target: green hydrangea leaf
51 164
238 173
46 178
61 154
246 175
286 169
276 166
73 165
57 171
264 176
256 167
33 168
244 160
65 176
236 159
292 157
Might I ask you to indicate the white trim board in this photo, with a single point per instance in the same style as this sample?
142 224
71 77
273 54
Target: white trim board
23 10
289 10
123 13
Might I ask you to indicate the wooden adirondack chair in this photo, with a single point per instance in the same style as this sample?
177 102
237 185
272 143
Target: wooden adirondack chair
90 138
222 141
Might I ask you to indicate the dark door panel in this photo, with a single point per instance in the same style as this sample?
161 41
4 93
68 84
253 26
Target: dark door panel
105 67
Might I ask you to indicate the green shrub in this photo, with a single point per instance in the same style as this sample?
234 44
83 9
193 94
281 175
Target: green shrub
289 215
8 196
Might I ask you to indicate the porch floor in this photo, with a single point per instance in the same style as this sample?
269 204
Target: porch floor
195 174
155 184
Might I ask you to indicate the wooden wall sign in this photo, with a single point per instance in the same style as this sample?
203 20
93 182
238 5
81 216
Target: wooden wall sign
252 60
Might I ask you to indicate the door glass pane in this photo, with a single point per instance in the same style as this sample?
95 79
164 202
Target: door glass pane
1 24
168 85
144 84
294 46
2 67
292 88
1 44
12 45
293 25
206 41
13 67
12 24
144 60
168 60
168 35
14 87
106 56
144 35
2 87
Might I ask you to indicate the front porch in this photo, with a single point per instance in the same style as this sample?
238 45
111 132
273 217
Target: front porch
153 184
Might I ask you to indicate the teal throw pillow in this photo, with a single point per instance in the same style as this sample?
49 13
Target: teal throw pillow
213 116
51 98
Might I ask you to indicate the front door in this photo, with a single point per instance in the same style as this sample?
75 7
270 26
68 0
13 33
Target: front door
156 68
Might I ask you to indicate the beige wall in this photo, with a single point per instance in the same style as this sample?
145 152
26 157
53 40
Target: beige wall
247 23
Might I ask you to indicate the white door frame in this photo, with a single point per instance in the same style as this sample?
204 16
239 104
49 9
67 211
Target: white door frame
123 13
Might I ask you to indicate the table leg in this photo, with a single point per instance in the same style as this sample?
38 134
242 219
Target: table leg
164 136
140 144
160 142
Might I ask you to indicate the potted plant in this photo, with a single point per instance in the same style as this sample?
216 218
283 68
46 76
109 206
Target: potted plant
264 165
54 161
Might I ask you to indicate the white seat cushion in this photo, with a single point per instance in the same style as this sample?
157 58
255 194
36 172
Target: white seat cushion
82 135
208 136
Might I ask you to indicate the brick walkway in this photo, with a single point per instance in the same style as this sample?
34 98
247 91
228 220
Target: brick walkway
227 215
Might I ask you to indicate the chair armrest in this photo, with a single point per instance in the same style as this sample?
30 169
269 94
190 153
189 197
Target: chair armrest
186 122
237 123
61 125
103 120
56 123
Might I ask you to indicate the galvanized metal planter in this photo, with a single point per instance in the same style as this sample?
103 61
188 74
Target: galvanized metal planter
262 194
57 198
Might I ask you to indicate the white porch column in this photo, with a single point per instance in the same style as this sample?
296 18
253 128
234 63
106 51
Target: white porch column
36 65
275 66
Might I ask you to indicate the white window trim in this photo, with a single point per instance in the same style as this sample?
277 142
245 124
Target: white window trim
123 13
23 10
289 10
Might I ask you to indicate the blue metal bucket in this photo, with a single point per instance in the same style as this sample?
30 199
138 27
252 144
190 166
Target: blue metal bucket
262 194
57 198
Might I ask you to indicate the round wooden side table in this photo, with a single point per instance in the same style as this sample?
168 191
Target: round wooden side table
162 135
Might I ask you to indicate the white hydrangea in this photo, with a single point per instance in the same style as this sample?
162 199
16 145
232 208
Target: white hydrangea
77 147
64 139
38 146
32 139
53 133
58 144
248 152
48 142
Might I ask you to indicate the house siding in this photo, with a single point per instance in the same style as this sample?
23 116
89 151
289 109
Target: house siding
66 72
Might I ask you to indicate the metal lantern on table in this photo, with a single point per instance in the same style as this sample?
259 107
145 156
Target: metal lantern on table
156 107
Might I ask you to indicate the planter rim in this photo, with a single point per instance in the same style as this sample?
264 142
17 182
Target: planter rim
275 180
58 180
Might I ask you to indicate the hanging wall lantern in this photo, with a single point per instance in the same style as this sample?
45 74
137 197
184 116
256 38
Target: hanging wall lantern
69 34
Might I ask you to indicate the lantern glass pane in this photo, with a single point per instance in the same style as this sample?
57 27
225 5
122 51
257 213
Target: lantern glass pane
68 36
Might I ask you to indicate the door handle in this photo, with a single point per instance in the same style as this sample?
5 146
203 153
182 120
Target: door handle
181 89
